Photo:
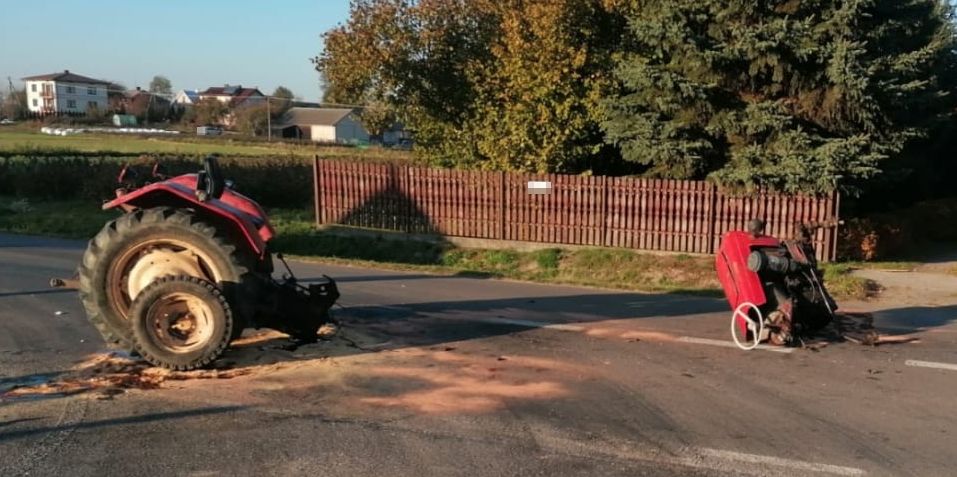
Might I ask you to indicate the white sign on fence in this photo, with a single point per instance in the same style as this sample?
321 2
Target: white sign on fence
540 188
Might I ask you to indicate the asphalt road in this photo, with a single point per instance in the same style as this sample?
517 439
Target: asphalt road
463 376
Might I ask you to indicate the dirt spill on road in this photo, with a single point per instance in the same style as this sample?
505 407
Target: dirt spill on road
355 373
109 374
260 353
452 383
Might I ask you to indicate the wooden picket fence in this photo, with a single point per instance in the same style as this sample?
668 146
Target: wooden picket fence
626 212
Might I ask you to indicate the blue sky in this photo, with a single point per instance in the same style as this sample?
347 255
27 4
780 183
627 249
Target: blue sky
195 44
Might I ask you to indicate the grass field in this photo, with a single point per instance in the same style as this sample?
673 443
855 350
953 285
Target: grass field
21 140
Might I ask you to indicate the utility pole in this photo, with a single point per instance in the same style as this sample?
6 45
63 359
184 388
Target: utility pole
268 121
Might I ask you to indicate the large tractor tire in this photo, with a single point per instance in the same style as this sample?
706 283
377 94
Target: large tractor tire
135 250
180 323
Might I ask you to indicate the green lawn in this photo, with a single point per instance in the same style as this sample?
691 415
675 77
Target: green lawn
20 140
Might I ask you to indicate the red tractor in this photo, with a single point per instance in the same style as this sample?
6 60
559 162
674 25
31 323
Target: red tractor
187 268
774 287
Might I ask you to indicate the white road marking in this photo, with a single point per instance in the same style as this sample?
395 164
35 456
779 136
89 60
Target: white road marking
780 462
724 461
729 344
529 324
574 328
931 364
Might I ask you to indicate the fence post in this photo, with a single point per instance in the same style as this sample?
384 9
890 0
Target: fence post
604 212
316 189
503 206
712 217
836 234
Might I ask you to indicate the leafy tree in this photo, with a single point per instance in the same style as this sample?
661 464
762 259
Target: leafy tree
507 84
795 95
252 120
161 85
538 96
209 111
283 92
280 101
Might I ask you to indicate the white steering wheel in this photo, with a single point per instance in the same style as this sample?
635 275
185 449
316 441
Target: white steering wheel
756 328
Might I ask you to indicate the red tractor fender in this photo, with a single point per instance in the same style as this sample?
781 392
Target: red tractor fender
243 214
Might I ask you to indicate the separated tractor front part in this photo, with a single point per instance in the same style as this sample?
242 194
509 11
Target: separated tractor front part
774 287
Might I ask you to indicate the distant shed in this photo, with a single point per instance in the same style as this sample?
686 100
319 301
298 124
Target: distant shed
330 125
124 120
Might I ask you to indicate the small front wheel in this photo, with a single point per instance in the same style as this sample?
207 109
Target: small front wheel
180 323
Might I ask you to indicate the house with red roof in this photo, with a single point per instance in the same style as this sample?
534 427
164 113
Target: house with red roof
234 95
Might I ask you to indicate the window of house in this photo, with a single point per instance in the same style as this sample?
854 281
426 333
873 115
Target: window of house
71 104
35 103
33 87
91 90
71 89
91 105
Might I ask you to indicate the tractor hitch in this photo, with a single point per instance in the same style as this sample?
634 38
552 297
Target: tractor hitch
299 310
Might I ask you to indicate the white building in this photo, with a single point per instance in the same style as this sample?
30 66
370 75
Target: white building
330 125
186 97
65 93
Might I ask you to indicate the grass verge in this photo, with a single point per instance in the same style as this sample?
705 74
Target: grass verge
890 265
842 283
606 268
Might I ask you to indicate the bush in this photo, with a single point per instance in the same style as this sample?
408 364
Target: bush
272 181
891 234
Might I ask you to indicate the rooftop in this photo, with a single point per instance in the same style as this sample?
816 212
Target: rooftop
316 116
65 77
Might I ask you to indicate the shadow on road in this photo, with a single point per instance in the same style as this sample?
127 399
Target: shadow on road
915 318
18 421
29 241
140 419
369 328
475 275
37 292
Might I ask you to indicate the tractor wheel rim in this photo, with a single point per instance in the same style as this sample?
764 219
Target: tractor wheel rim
119 274
179 323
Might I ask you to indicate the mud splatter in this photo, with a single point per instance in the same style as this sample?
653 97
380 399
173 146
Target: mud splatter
258 353
110 374
454 383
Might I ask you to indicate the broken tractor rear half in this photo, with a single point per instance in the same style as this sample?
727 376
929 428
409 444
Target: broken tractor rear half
187 268
774 287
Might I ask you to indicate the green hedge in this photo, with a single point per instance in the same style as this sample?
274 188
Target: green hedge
278 181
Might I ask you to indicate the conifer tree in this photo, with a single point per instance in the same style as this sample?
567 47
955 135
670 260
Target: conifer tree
796 95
